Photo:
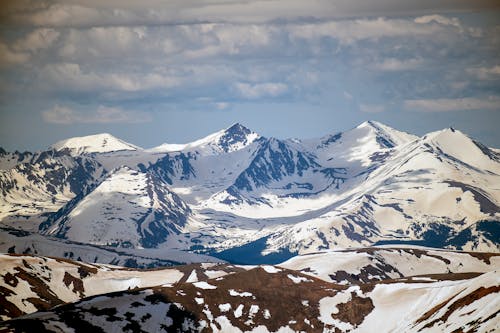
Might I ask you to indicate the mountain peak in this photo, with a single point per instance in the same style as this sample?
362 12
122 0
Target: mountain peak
371 123
385 136
232 138
237 127
235 137
457 144
97 143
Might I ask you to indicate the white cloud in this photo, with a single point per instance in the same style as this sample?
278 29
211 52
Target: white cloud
222 105
350 31
10 57
347 96
394 64
254 91
227 39
448 21
36 40
70 76
371 108
453 21
102 115
457 104
485 73
105 42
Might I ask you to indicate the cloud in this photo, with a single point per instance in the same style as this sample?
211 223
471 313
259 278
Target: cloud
11 57
438 19
350 31
259 90
347 96
448 21
394 64
71 77
102 115
222 105
450 105
36 40
485 73
371 108
80 13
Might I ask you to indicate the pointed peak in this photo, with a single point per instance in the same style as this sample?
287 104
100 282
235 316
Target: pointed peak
375 125
236 137
237 128
385 136
231 139
367 123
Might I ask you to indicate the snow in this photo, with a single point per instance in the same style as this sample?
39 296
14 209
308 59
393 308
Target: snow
270 269
207 145
109 214
233 292
214 274
199 300
204 285
224 307
99 143
253 310
323 264
328 306
192 277
239 311
298 279
399 304
379 199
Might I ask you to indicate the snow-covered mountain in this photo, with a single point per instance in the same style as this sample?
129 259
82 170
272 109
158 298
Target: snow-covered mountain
39 184
251 199
231 139
98 143
408 290
128 209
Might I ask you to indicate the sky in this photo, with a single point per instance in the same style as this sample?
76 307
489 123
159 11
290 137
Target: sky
153 71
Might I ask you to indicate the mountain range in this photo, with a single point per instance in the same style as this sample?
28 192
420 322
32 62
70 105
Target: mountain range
246 198
371 229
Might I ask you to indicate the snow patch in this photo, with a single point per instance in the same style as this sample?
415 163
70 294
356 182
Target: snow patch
298 279
233 292
224 307
239 311
270 269
192 277
204 285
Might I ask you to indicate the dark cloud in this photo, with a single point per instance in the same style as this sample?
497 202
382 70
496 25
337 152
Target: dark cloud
153 12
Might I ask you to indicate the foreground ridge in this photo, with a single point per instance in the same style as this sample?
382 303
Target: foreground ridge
412 289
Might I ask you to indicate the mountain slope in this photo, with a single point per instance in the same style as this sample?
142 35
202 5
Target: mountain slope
412 196
204 167
128 209
42 184
98 143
